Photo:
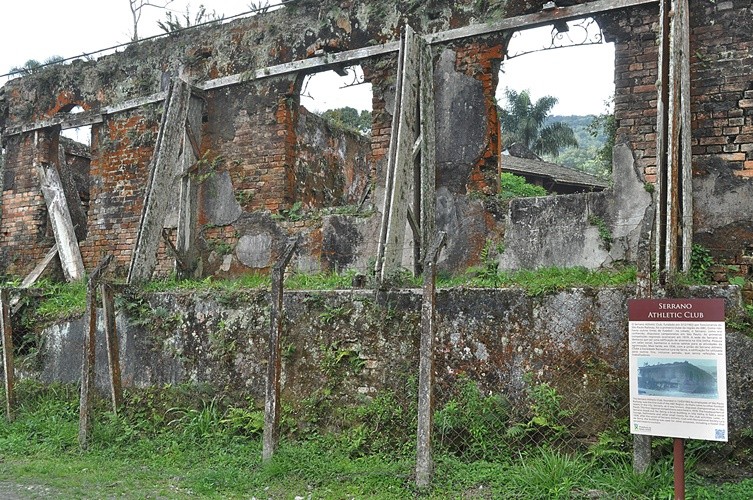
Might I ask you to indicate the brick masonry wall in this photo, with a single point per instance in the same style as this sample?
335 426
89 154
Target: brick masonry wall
25 234
722 83
635 34
122 150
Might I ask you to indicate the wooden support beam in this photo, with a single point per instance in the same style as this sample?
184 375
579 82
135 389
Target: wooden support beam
424 462
72 199
113 347
62 226
311 65
686 160
428 166
405 132
674 154
413 223
32 277
89 356
389 178
662 118
162 182
274 364
8 367
188 255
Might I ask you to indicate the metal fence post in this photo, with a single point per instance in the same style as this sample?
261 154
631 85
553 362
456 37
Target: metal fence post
87 364
424 462
274 368
7 333
113 349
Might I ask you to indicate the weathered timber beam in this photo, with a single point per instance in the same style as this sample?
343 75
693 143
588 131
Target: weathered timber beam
534 20
424 461
89 355
161 184
65 121
349 56
68 121
315 63
62 225
113 347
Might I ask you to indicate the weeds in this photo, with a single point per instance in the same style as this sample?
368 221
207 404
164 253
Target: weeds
604 232
181 441
701 263
515 186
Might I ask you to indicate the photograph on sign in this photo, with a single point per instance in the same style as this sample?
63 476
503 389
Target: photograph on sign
678 373
682 378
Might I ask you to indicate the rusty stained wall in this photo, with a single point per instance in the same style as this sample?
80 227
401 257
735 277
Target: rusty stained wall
351 345
255 155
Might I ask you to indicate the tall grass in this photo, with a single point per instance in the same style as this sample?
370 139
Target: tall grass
178 442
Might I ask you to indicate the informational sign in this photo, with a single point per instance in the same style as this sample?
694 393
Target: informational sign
678 370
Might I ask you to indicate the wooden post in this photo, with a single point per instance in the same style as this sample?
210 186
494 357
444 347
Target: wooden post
162 182
424 462
87 364
7 333
187 256
87 368
400 176
32 277
678 467
62 226
428 187
274 367
113 349
72 200
674 154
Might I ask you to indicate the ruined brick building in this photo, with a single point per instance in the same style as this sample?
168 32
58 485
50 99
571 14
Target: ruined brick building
225 184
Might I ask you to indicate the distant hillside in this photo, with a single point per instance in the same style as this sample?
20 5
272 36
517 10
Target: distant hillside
585 157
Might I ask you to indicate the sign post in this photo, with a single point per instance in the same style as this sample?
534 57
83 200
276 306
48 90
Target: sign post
678 373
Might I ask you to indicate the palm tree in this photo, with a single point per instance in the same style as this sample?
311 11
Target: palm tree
523 125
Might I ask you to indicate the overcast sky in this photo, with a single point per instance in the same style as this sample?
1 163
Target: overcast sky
581 77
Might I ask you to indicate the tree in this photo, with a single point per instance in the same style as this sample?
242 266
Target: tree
605 124
137 7
523 124
32 65
348 118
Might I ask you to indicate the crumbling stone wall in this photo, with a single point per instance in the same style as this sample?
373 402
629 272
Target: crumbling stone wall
575 340
255 157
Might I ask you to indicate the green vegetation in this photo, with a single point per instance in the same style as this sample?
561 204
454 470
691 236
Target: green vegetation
32 65
515 186
174 22
701 263
177 442
60 301
546 280
595 136
349 119
604 232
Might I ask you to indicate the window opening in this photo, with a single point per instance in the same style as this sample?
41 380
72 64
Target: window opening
341 97
82 135
76 143
333 132
572 86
